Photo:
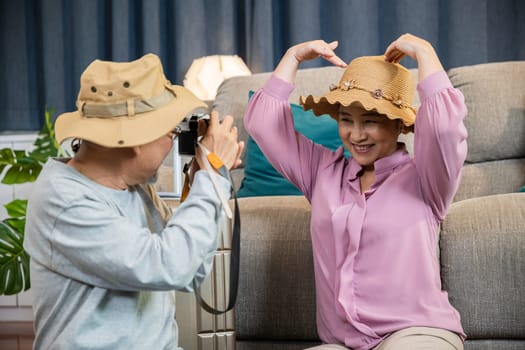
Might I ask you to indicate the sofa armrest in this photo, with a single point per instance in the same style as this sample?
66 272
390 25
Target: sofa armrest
482 247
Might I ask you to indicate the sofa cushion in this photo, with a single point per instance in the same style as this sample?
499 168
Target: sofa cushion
482 264
495 98
276 297
488 178
281 345
261 178
488 344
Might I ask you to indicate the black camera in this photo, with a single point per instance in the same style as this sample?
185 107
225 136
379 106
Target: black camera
187 133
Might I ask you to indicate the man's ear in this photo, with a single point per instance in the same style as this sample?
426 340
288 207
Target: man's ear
135 151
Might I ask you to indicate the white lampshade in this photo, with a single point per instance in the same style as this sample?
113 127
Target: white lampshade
207 73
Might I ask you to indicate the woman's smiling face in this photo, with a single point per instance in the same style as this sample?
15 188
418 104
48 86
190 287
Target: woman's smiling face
369 136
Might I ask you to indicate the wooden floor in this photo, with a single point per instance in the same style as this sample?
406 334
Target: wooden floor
16 335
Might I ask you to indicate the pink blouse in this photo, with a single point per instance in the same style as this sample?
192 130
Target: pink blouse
375 262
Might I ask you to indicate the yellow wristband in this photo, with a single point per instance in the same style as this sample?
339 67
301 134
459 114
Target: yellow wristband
215 161
218 165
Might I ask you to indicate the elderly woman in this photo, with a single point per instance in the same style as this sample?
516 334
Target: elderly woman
375 215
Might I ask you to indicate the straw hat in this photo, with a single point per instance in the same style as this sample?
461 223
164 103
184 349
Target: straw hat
125 104
374 84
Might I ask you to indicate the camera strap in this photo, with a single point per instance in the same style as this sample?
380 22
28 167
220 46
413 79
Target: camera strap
215 167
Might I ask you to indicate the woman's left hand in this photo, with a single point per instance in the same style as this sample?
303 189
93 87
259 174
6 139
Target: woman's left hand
418 49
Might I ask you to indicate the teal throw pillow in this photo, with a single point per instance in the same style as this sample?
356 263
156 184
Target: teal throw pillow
261 178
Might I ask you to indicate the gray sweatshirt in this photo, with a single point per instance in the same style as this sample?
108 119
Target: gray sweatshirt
100 278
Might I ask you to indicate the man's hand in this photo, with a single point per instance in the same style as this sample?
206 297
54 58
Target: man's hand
221 139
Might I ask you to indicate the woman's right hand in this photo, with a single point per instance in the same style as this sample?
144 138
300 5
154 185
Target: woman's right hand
287 67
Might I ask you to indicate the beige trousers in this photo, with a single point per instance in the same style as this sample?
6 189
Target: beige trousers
413 338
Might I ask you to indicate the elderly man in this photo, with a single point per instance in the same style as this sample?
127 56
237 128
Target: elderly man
104 260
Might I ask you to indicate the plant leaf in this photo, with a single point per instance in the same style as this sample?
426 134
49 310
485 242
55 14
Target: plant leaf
14 261
21 166
19 153
16 208
7 156
45 149
45 145
16 224
21 173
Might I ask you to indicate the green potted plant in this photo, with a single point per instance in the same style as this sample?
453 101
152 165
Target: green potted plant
17 167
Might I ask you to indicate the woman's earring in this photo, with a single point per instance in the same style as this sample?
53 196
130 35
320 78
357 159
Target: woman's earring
75 144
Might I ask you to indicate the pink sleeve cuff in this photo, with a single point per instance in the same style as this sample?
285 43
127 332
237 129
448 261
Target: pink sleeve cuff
435 82
278 88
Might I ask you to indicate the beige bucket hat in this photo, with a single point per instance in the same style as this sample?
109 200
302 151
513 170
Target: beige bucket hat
126 104
374 84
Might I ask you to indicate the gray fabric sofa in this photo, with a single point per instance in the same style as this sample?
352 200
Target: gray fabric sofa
482 240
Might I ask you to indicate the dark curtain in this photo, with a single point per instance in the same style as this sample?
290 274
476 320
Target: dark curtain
46 44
